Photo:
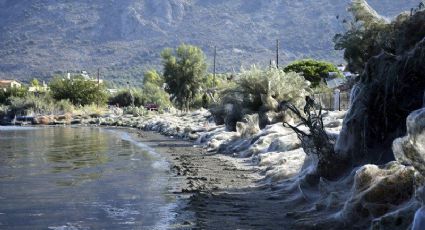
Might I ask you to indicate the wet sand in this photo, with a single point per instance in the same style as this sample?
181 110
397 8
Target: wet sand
217 193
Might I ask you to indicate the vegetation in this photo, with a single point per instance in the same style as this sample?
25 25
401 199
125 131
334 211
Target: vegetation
12 92
259 91
312 70
43 104
369 34
183 72
126 98
78 90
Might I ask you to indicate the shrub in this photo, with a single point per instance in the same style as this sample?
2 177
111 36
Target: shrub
135 111
12 92
312 70
31 104
154 94
126 98
78 90
259 91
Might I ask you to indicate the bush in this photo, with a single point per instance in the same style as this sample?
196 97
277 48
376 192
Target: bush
154 94
44 104
126 98
78 90
259 91
312 70
135 111
12 92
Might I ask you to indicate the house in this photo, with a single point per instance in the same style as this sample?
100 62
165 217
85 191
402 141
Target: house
86 77
7 84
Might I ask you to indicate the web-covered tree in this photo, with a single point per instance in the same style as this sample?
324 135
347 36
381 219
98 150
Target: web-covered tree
369 34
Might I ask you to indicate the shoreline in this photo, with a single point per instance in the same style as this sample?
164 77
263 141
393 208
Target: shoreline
200 174
264 181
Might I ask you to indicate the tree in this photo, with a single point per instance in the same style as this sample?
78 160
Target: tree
78 90
152 76
366 36
35 82
312 70
183 72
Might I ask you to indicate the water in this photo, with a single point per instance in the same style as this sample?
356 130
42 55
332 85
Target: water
81 178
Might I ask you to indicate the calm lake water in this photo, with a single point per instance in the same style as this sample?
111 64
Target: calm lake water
81 178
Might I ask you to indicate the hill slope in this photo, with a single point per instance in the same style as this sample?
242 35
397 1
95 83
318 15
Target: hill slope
123 37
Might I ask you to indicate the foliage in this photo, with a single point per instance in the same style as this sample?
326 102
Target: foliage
259 91
153 77
152 93
368 34
92 110
135 111
78 90
12 92
258 85
312 70
34 82
127 97
183 72
43 104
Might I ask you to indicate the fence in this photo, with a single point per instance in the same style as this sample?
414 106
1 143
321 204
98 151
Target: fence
333 101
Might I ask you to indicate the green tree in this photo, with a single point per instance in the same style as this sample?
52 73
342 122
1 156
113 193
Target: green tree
152 76
312 70
183 72
35 82
78 90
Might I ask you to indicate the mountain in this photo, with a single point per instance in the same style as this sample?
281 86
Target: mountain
40 38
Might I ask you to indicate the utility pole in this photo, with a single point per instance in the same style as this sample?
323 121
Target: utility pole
277 53
98 76
215 56
98 84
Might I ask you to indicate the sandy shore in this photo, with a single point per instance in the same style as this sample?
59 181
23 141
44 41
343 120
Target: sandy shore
217 191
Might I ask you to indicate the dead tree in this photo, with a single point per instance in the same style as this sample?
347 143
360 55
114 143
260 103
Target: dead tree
315 140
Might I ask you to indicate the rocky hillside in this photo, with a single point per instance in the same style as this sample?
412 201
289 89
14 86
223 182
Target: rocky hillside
39 38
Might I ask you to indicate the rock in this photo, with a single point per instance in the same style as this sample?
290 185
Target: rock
76 122
410 150
45 120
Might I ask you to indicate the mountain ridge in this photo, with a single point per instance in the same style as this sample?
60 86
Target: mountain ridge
41 38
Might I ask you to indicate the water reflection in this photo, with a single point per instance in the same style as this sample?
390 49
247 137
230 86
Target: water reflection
79 177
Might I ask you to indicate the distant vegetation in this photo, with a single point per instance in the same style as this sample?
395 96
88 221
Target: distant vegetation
184 69
314 71
78 90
